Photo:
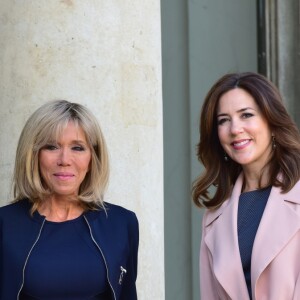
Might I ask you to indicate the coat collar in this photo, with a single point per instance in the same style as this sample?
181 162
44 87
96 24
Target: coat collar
222 242
279 223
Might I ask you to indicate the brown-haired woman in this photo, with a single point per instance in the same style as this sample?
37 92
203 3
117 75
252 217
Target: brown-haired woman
250 148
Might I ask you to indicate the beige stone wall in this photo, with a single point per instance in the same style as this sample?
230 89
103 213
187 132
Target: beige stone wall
105 55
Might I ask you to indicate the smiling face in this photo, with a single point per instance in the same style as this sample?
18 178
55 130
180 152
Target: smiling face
65 162
243 131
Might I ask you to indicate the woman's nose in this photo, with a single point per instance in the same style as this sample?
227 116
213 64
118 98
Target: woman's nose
236 127
64 158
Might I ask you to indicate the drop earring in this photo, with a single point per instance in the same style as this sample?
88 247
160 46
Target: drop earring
226 158
273 142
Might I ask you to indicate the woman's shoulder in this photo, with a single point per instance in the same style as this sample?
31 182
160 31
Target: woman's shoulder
292 195
297 185
212 214
117 209
115 219
122 214
113 212
15 208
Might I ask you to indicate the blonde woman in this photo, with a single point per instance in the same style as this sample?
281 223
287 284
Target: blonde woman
59 239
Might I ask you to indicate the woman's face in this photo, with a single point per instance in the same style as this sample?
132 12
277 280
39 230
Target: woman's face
65 162
243 131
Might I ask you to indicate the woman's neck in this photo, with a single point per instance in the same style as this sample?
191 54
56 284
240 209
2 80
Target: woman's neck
255 180
60 210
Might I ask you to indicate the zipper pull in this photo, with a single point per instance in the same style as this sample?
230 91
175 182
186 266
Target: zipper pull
123 271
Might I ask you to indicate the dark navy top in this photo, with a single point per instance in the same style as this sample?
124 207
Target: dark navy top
65 264
250 211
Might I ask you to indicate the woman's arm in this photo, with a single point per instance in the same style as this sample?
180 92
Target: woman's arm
128 286
207 287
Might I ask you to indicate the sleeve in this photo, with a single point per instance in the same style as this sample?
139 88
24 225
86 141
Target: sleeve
207 288
129 286
1 259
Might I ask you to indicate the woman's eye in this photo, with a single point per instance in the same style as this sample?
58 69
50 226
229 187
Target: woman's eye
247 115
222 121
50 147
78 148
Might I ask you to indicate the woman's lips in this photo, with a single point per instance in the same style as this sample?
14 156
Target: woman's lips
241 144
63 175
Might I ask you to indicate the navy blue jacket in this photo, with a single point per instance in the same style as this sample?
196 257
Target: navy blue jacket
116 233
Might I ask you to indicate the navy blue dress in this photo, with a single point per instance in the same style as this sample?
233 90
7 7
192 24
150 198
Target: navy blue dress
250 211
65 264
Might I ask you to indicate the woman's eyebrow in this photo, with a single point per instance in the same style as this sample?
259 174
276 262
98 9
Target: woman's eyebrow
240 110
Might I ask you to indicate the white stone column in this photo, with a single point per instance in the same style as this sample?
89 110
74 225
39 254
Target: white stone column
107 56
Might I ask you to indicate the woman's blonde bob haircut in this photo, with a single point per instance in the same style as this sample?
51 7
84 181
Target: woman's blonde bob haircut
44 126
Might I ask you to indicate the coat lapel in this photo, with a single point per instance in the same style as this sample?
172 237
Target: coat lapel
279 224
222 242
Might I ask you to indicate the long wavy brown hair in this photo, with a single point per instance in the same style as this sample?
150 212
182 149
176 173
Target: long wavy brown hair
285 159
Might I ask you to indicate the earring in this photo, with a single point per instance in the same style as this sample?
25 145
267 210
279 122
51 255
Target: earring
273 142
226 158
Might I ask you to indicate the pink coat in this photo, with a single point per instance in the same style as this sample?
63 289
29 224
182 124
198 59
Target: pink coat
275 266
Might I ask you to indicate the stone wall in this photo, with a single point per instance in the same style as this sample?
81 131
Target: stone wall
105 55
